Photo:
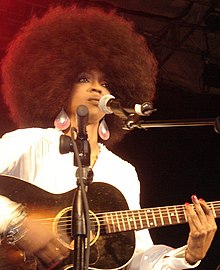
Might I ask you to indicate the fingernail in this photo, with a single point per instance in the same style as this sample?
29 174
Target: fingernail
186 204
194 198
54 265
201 200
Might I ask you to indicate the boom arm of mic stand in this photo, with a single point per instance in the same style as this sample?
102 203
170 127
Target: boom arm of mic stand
132 123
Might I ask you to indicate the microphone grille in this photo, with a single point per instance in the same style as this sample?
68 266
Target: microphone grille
82 111
103 104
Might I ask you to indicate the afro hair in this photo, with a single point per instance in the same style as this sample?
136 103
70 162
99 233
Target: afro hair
46 56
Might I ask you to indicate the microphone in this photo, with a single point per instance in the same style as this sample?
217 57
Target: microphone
109 104
82 117
66 144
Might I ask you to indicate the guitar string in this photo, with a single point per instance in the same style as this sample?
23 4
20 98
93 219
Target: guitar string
125 219
141 211
155 211
119 227
117 218
167 209
131 221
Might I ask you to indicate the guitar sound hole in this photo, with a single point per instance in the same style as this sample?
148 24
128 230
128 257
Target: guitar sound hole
62 228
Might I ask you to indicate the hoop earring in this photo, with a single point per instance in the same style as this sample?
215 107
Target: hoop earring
62 121
103 130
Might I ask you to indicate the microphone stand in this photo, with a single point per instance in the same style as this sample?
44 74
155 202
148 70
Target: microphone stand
80 222
133 120
131 123
80 209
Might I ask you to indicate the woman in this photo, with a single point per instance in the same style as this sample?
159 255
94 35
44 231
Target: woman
73 57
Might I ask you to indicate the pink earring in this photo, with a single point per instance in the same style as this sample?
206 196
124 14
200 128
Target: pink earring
62 121
103 130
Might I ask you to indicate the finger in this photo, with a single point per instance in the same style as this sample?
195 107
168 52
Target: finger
193 220
199 210
58 252
53 265
47 260
58 249
209 212
192 226
210 218
202 228
47 266
40 265
48 253
44 257
211 224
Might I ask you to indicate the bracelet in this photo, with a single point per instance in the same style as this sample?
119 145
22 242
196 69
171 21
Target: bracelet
15 230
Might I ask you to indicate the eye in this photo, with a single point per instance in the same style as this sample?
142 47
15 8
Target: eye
83 78
105 84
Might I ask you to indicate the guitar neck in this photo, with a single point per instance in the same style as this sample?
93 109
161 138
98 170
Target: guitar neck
150 217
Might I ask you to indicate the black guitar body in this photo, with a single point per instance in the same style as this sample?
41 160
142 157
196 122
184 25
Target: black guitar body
109 251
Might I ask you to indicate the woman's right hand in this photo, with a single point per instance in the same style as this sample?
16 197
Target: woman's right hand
38 240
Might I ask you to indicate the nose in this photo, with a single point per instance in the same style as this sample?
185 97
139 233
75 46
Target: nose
96 90
96 87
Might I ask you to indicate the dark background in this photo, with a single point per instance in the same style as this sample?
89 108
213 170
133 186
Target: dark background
172 163
175 163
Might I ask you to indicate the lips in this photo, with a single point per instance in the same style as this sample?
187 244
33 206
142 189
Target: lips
94 99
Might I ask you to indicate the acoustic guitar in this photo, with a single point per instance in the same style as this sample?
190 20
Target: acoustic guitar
112 224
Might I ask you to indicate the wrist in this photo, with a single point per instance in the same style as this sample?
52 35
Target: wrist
189 257
16 229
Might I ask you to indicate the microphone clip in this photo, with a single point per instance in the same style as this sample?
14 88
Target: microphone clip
134 120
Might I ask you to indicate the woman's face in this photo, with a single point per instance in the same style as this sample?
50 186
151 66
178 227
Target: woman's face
89 87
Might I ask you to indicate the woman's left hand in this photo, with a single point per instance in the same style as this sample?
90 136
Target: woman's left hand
202 230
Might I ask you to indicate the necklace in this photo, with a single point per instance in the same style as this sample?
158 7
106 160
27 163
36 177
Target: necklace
94 156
